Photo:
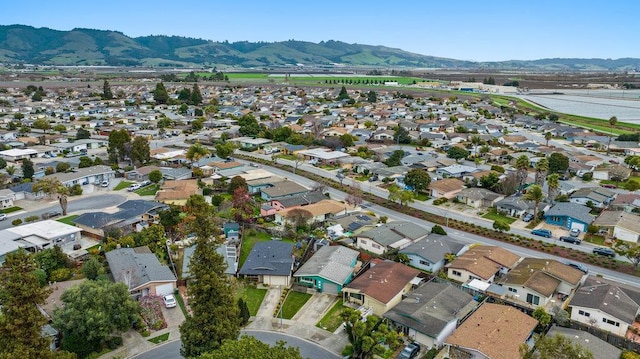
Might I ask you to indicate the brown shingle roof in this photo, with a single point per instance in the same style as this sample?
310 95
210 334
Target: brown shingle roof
494 330
447 185
172 190
384 280
485 261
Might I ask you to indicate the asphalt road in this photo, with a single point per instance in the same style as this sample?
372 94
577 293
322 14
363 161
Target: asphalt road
307 349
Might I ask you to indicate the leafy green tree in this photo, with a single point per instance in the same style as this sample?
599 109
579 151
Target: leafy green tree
93 310
62 167
60 128
196 152
154 238
92 268
3 163
244 312
84 162
224 150
534 194
41 124
106 91
395 158
53 186
140 151
542 316
249 126
237 182
343 95
612 122
170 218
547 137
27 169
457 153
250 347
418 179
51 259
632 185
155 176
436 229
82 134
490 180
160 94
367 338
214 318
501 226
118 142
184 95
556 347
401 135
196 95
630 251
558 163
372 97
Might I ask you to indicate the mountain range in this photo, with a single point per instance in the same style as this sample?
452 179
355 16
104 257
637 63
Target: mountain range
80 47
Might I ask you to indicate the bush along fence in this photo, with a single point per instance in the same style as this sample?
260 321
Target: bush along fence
522 241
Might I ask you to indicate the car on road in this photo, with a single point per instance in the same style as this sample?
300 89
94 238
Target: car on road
134 187
52 214
574 232
527 217
254 164
579 267
3 216
169 301
410 351
570 239
607 252
542 232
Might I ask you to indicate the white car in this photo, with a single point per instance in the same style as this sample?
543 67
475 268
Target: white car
134 187
105 184
169 301
3 216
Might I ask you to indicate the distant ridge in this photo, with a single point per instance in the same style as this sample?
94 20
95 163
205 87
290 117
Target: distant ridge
44 46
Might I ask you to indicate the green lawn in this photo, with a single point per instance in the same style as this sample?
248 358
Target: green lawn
68 220
495 216
253 297
181 304
595 239
160 338
332 320
11 209
293 303
422 196
247 245
148 190
122 185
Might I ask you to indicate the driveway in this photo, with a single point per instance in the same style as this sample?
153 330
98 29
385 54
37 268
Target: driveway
315 308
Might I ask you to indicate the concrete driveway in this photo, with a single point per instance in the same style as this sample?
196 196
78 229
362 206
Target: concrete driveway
173 316
315 308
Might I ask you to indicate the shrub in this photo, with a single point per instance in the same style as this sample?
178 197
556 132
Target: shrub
438 230
76 190
60 275
439 201
587 176
16 222
31 219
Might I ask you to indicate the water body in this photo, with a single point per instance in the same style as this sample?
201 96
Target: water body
625 105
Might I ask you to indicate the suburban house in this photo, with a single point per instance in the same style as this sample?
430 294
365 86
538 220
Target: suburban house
493 331
430 253
483 263
598 347
228 252
258 179
250 143
319 212
478 197
85 176
382 286
455 171
141 173
323 155
299 200
132 216
447 188
430 313
329 269
17 154
618 172
625 202
515 206
598 196
569 215
177 192
7 197
620 225
141 271
540 282
511 140
610 305
392 235
269 263
37 236
282 189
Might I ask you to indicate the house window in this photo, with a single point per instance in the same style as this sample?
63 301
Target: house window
513 290
424 263
586 314
610 322
533 299
363 241
376 246
456 273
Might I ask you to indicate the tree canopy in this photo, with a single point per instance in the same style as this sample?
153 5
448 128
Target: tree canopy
250 347
558 163
418 179
457 153
367 338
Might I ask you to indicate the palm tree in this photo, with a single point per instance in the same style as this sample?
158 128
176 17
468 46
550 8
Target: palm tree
11 170
522 168
476 140
53 186
548 136
612 121
553 181
535 194
196 152
542 167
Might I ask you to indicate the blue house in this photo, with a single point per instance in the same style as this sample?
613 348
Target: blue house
429 253
569 215
328 270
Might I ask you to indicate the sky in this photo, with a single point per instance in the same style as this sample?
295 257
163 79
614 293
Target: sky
492 30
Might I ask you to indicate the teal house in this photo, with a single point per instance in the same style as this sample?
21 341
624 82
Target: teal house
329 269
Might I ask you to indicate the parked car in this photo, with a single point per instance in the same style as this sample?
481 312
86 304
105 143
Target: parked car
169 301
542 232
254 164
134 187
528 217
579 267
607 252
104 184
609 186
3 216
569 239
145 183
574 232
48 215
410 351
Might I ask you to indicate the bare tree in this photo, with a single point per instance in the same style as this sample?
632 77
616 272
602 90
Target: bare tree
354 198
508 185
319 187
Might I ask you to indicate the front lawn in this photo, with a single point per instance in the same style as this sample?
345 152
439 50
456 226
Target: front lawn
333 319
11 209
422 196
595 239
122 185
160 338
293 303
248 241
68 220
253 297
148 190
495 216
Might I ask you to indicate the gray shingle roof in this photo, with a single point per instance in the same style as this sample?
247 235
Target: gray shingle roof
330 262
128 210
429 308
433 248
613 298
392 232
598 347
138 265
269 258
572 210
302 199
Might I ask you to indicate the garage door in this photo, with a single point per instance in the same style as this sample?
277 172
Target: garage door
164 289
329 288
578 225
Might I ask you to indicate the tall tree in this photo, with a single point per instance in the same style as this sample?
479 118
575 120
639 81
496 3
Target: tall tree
196 95
27 168
242 204
558 163
367 338
418 179
160 94
214 318
542 167
343 95
553 182
53 186
535 194
224 150
140 151
196 152
250 347
82 134
547 137
612 122
118 141
522 169
106 91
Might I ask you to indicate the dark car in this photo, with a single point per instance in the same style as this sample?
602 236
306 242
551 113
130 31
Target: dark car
577 266
410 351
48 215
608 252
569 239
542 232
